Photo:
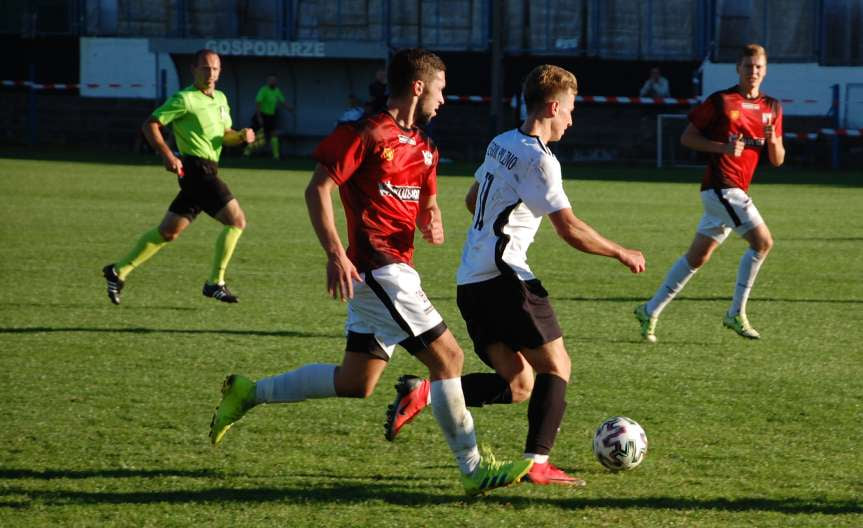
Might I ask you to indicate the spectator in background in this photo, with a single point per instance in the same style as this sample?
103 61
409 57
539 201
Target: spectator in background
267 102
355 111
378 92
656 85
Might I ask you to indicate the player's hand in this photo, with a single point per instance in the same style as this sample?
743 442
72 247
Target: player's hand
735 148
174 164
341 273
770 134
632 259
431 227
248 135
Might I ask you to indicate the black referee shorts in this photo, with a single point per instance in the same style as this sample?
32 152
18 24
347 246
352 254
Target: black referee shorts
200 189
507 310
269 123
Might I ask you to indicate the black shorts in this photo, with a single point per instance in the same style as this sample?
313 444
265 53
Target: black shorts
200 189
269 124
507 310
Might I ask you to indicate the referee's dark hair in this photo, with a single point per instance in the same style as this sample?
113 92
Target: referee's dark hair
203 53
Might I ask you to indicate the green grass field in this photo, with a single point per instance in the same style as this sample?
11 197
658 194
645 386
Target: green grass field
105 408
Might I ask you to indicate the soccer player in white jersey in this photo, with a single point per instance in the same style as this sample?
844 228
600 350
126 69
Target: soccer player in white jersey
507 311
385 169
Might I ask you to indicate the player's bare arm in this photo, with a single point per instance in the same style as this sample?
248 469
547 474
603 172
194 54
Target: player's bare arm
692 138
470 197
429 221
152 131
340 270
233 137
775 146
582 237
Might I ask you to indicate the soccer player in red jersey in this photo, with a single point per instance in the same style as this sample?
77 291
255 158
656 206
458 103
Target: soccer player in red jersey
733 126
385 169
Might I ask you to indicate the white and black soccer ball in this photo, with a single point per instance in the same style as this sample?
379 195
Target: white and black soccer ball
620 444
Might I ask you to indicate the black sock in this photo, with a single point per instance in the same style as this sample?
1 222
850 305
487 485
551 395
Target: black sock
484 389
545 413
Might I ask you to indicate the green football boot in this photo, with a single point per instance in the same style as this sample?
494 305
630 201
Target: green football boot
648 323
740 324
238 396
491 474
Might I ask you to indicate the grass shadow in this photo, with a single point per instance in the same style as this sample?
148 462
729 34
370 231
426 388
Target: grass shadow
397 495
50 474
144 330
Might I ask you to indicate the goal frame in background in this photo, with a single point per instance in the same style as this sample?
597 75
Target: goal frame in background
661 146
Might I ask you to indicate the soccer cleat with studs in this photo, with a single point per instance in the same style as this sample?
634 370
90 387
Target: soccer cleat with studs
219 292
548 473
411 398
740 324
114 283
491 474
648 323
238 396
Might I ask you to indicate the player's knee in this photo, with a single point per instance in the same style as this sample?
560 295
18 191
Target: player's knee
169 235
355 390
240 221
521 391
697 260
763 246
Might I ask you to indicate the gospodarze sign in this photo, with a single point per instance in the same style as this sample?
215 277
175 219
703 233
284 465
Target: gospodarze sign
267 48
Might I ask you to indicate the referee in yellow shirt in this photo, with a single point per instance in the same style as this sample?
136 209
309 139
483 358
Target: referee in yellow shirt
267 101
201 120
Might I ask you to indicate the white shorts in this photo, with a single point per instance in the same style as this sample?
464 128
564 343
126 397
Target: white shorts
390 308
727 209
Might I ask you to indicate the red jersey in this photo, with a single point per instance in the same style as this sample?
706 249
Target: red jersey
722 117
382 171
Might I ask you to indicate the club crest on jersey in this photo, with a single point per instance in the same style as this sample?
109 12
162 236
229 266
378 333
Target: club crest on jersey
388 153
406 139
734 114
427 157
223 113
404 193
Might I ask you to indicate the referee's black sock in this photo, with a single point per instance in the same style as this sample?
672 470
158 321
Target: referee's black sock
485 389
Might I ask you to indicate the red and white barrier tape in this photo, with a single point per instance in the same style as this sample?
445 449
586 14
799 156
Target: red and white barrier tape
68 86
610 99
852 132
802 136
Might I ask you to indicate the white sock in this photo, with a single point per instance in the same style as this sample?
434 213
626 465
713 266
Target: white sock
750 263
537 459
677 277
309 381
447 403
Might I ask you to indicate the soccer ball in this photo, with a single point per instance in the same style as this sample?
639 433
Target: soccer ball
620 444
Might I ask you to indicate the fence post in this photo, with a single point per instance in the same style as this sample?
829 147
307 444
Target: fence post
834 109
33 136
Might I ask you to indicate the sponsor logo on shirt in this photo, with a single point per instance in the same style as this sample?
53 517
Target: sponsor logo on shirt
766 118
406 139
223 113
404 193
388 153
428 157
748 141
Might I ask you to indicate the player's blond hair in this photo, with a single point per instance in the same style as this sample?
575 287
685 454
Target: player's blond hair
752 50
545 82
409 65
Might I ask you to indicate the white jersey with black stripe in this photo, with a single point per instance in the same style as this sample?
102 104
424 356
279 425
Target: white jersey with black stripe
519 183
